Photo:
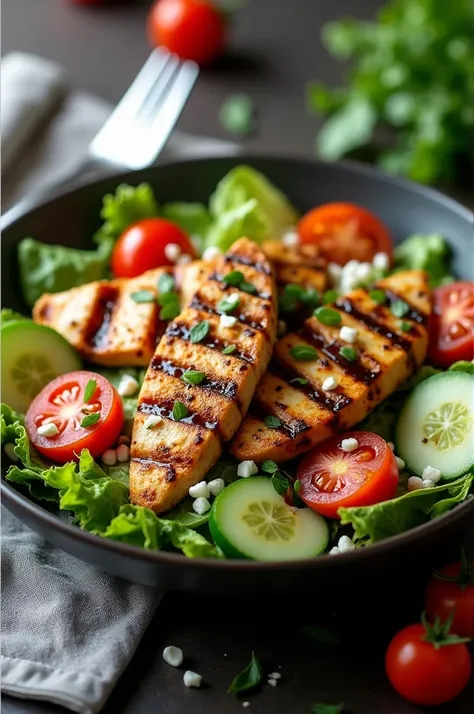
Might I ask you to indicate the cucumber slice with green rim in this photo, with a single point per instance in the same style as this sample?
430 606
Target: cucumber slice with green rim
436 425
32 355
250 520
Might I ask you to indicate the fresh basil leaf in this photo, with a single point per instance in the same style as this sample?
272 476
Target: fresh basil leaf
320 708
192 376
90 420
89 390
378 296
234 278
280 483
170 310
310 298
293 290
180 411
229 349
165 284
269 467
348 353
405 326
320 635
228 304
328 316
272 422
143 296
399 308
300 381
330 296
248 288
199 331
303 353
236 114
287 304
248 678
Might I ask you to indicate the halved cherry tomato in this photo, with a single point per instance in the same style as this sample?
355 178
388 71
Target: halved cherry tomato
331 477
344 231
454 596
452 324
192 29
62 403
142 247
425 670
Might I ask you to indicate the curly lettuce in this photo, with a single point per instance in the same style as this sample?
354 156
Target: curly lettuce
426 252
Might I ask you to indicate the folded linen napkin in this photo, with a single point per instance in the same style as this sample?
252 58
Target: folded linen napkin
69 630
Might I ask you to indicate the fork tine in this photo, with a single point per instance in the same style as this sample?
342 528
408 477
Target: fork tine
159 89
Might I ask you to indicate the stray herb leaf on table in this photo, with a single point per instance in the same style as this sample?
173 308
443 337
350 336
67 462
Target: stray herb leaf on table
248 678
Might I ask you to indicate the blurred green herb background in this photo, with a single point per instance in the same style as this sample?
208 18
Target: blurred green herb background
408 97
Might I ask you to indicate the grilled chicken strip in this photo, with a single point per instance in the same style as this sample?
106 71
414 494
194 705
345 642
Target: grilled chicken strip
172 455
106 321
389 349
300 264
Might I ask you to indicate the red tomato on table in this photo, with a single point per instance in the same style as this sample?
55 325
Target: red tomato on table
452 324
455 596
62 403
192 29
331 477
344 231
143 247
426 668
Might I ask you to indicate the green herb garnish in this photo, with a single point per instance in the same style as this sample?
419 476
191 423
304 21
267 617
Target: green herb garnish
269 467
229 349
90 420
143 296
165 284
248 678
348 353
272 422
199 331
234 278
327 316
399 308
191 376
228 304
378 296
248 288
320 708
303 352
300 381
236 114
89 390
405 326
293 290
170 305
330 296
310 298
180 411
280 483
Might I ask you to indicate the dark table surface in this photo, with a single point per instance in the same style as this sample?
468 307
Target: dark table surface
275 51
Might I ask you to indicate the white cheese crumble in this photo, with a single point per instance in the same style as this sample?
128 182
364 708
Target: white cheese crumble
363 271
109 457
345 544
334 551
9 450
348 334
48 430
173 655
152 420
334 274
183 259
245 705
275 675
349 445
247 468
123 453
290 239
172 252
381 261
429 472
414 483
216 486
227 320
272 682
400 462
128 386
201 505
427 483
192 679
199 490
211 253
329 384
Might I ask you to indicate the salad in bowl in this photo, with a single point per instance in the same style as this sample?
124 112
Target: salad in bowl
237 380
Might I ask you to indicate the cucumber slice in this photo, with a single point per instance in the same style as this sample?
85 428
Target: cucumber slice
32 355
250 520
436 425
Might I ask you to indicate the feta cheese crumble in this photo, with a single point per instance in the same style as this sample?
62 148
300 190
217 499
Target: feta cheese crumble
172 252
247 468
183 259
414 483
128 386
400 462
349 445
348 334
290 239
211 253
152 420
109 457
345 544
48 430
227 320
173 655
334 551
427 483
216 486
201 505
199 490
275 675
192 679
123 453
429 472
329 384
245 705
381 261
272 682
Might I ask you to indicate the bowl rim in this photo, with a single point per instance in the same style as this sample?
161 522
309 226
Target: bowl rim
156 557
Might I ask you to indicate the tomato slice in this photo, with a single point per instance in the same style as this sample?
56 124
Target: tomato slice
344 231
452 324
331 477
62 403
143 246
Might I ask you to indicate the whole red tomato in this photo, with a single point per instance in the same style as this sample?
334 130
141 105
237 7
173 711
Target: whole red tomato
192 29
452 592
427 664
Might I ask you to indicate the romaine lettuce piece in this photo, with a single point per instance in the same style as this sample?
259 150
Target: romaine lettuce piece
426 252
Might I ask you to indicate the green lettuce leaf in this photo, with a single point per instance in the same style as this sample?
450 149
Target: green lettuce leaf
245 203
193 218
130 404
7 315
426 252
126 206
140 526
48 268
386 519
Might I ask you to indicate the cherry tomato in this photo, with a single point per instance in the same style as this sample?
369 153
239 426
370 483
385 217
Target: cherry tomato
443 597
142 247
425 673
192 29
331 477
452 324
62 403
344 231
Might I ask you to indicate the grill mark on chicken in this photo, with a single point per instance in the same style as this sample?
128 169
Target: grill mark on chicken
219 278
182 331
331 401
198 304
412 314
374 324
292 426
244 260
164 408
227 388
170 470
355 369
98 336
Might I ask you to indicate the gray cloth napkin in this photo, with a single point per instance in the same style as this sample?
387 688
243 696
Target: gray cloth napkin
69 630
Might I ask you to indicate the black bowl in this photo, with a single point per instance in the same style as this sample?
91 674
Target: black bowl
71 219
